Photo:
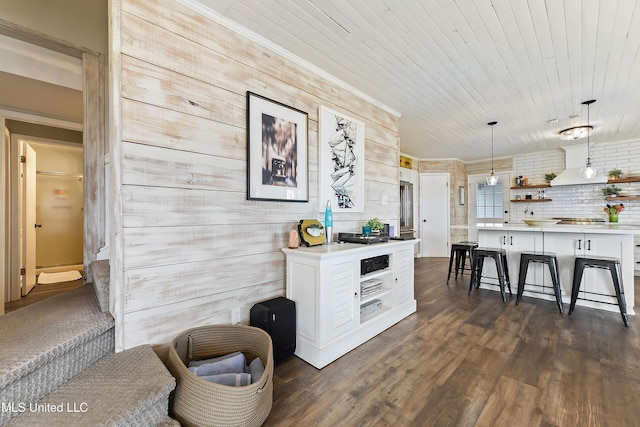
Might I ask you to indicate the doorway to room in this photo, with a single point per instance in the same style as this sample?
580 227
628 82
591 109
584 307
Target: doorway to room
50 210
488 203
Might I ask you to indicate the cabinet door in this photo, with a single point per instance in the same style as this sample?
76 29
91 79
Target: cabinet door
566 246
403 276
596 280
340 312
516 243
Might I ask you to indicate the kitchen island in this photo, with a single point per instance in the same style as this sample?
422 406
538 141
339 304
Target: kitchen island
567 242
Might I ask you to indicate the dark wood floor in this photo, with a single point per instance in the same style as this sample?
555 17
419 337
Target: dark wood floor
41 292
473 361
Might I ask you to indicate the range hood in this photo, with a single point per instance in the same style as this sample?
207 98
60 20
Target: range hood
576 158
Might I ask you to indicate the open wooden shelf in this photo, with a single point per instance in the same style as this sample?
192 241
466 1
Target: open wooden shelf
623 180
524 187
615 199
532 200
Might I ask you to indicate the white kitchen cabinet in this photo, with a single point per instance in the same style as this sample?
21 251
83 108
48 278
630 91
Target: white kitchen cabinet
514 242
596 289
334 311
636 257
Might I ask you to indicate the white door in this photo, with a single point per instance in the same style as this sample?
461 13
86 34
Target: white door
434 212
488 203
30 220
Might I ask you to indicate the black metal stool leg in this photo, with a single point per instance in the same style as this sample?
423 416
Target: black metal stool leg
616 274
501 275
450 263
555 278
524 266
578 269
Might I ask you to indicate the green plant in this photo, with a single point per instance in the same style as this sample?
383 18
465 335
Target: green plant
375 224
610 191
549 176
615 173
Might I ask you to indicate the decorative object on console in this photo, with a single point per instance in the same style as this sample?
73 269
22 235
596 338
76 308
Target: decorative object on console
311 232
328 222
376 225
277 162
294 239
340 161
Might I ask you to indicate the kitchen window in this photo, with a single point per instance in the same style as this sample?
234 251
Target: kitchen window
488 204
489 201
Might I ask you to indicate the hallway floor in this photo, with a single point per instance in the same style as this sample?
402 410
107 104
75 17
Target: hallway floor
41 292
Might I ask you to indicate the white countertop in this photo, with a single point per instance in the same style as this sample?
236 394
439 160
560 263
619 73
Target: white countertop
607 228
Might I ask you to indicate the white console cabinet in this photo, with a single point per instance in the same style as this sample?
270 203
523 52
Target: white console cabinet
337 306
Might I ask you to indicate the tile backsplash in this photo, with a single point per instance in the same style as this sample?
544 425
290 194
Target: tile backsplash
581 201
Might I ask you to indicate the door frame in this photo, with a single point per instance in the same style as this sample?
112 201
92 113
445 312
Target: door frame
505 178
93 128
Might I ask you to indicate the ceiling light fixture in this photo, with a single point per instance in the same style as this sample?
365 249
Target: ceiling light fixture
576 132
589 171
492 179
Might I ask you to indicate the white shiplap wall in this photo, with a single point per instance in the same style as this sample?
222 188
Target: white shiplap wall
577 200
189 246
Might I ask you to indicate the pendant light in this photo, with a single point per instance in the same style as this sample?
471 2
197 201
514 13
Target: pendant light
492 179
589 170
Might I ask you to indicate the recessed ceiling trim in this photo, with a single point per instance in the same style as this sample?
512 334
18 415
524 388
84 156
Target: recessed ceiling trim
222 20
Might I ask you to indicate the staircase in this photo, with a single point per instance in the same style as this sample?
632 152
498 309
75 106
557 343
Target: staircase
58 366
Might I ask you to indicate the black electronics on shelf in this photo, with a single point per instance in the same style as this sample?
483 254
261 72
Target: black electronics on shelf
277 317
369 265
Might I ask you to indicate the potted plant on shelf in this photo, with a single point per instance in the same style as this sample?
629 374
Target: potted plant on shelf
611 191
376 225
615 173
549 176
613 211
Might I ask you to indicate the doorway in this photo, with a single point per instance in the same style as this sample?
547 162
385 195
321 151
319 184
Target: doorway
41 110
488 203
51 210
434 210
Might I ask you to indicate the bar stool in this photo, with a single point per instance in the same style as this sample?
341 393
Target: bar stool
459 252
543 258
607 263
500 257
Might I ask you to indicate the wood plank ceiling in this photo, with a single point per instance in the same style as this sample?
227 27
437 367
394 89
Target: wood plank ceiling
451 66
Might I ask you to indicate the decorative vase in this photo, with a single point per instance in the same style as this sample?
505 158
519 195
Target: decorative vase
613 217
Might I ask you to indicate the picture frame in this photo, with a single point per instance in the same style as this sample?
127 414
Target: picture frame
277 151
341 167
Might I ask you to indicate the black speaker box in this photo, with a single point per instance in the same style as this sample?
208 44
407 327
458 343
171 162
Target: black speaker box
277 317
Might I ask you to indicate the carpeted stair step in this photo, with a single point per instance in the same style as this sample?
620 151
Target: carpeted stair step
45 344
130 388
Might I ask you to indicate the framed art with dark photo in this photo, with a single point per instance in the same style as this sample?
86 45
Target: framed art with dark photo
277 157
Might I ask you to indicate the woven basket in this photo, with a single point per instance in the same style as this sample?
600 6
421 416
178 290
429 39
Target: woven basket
203 403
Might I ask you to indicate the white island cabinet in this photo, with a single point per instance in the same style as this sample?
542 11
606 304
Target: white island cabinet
338 305
567 242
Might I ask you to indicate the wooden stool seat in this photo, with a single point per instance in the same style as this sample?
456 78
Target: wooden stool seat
500 258
551 261
607 263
